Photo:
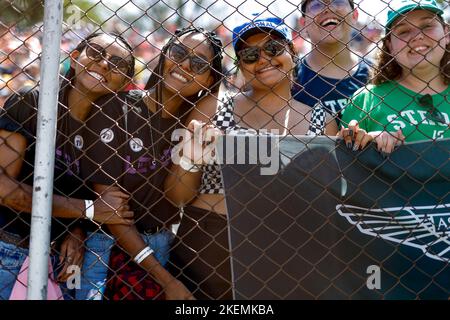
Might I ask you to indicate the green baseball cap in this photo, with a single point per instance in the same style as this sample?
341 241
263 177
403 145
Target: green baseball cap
398 8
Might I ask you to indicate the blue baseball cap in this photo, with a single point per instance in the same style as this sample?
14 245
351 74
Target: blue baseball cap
398 8
270 25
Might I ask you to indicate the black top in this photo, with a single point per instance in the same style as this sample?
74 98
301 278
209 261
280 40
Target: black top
20 115
133 152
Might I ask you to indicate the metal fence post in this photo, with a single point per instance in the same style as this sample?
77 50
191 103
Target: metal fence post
45 152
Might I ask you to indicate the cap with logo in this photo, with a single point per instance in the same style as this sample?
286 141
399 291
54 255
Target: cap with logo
398 8
270 25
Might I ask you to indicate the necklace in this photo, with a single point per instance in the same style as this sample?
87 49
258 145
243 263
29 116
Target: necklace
67 136
148 120
151 135
158 115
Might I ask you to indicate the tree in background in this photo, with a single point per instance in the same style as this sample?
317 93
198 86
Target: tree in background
21 14
26 14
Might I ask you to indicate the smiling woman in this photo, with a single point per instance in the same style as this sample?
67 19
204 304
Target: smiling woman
408 100
133 154
187 70
103 65
79 88
266 58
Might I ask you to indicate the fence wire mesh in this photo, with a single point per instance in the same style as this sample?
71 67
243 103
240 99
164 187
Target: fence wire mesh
170 118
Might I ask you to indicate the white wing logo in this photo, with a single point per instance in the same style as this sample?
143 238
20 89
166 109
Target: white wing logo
426 228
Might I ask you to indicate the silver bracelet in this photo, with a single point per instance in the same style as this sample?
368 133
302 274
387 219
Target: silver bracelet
89 211
144 253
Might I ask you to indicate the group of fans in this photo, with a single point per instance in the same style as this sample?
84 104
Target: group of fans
118 192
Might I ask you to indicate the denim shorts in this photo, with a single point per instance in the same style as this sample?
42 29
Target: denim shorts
11 260
95 265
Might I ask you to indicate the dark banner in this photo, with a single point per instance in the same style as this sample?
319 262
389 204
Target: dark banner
331 223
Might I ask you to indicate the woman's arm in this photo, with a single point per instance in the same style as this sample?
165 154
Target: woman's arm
131 241
181 186
111 208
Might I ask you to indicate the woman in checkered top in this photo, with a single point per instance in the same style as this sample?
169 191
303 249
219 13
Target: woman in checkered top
266 57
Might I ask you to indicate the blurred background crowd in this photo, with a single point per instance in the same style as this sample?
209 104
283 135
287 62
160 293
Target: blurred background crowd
146 24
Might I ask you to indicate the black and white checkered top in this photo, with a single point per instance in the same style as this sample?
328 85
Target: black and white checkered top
224 120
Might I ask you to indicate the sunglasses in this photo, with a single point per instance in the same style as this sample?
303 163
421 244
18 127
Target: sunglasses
272 48
317 6
433 114
116 64
178 53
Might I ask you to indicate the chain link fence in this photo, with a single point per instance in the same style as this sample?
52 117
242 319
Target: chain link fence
202 150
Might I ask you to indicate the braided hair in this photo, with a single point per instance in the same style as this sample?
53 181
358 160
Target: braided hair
156 80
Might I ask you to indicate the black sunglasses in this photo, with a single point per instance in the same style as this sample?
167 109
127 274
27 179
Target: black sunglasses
434 114
273 48
178 53
115 64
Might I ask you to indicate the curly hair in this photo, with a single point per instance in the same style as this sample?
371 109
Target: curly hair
156 80
388 69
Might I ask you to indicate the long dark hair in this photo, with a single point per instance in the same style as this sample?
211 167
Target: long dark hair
156 80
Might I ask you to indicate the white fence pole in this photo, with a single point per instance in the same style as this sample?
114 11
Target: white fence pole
45 152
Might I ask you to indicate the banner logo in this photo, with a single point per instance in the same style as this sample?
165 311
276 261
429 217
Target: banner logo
423 227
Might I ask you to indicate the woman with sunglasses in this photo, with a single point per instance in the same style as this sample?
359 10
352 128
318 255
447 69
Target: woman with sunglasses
133 154
79 88
408 100
266 58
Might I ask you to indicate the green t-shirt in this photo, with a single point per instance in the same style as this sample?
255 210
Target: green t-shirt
391 106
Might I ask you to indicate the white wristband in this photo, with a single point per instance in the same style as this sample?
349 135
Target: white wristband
144 253
89 212
187 165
